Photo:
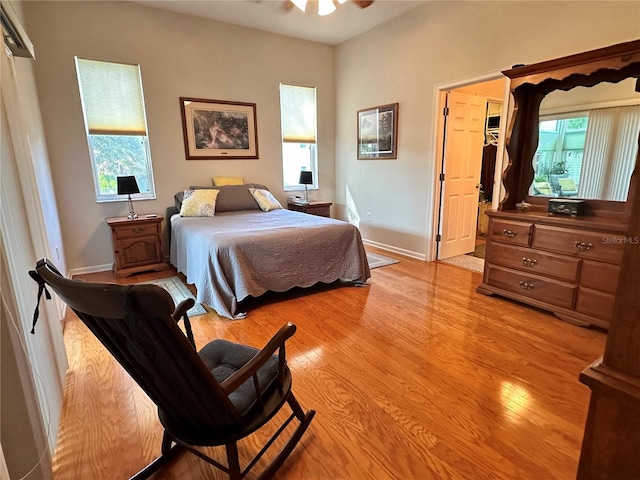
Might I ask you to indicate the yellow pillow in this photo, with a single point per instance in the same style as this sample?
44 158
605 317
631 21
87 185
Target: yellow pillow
266 201
567 184
199 203
220 181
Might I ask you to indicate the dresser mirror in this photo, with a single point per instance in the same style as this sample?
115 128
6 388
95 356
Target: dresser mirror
556 143
587 142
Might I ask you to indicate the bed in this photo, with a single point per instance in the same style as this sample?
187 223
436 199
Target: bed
243 251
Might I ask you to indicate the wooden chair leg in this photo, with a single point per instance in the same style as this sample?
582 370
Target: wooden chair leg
295 407
233 462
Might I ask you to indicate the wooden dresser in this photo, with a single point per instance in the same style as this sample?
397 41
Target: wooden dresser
584 268
137 244
569 266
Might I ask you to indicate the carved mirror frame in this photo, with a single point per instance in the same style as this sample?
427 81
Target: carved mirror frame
530 84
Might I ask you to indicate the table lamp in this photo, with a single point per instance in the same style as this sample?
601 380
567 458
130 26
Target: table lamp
126 186
306 178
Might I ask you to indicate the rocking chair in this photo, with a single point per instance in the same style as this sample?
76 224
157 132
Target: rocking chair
213 397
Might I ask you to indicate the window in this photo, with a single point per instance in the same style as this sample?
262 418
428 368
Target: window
114 117
299 135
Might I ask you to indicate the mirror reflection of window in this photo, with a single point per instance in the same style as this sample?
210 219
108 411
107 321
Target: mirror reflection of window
588 142
558 160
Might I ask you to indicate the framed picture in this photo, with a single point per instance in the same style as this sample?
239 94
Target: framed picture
378 132
215 129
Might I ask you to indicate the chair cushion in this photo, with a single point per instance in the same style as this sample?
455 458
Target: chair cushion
224 358
567 184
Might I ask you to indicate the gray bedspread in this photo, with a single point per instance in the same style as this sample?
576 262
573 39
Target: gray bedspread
246 253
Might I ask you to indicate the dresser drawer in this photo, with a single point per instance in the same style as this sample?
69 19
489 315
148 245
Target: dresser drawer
135 230
595 303
533 261
545 290
515 233
593 245
599 276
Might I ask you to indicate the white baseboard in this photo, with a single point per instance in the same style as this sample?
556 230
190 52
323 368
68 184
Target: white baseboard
391 248
96 268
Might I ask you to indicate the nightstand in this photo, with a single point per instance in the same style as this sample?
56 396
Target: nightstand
322 209
137 244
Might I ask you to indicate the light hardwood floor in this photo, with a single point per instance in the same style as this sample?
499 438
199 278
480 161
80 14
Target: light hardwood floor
413 377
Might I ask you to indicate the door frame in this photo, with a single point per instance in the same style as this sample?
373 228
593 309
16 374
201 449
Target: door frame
439 144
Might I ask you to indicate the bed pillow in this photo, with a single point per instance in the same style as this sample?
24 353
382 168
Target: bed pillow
177 198
266 201
230 198
199 203
236 197
221 181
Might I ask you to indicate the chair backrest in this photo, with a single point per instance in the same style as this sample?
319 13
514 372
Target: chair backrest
134 323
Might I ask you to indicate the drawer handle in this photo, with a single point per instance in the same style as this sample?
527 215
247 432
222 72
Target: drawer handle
529 262
137 230
526 285
509 233
582 246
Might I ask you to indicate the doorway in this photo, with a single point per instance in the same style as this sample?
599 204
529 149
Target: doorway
470 139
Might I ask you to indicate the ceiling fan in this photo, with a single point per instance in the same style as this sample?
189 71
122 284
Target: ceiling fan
325 7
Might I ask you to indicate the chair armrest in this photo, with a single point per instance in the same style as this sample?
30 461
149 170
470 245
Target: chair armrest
182 308
251 367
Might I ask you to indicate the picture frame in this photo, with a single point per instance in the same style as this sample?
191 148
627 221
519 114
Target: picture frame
378 132
218 129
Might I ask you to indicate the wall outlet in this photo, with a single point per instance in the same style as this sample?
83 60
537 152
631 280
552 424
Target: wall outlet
368 216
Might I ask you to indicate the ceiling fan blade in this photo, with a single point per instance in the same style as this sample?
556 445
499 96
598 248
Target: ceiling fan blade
362 3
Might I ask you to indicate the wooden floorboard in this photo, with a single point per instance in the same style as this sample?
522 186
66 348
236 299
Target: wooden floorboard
415 376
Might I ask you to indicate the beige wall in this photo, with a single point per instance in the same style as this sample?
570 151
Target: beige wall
406 59
179 56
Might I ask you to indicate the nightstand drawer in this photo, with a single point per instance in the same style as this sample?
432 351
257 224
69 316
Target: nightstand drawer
321 209
135 230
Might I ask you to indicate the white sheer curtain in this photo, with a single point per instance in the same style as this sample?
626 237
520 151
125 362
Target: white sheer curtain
610 150
624 154
596 151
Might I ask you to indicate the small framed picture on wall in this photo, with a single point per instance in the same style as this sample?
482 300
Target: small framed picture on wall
378 132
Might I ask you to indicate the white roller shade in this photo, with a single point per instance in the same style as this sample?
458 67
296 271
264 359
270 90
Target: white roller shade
298 113
111 97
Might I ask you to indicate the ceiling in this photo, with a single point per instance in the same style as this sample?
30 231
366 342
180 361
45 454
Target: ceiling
276 16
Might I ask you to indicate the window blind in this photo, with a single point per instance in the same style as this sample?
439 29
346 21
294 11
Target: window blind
298 113
111 97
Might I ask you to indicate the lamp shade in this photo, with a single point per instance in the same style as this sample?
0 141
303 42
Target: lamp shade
306 178
127 185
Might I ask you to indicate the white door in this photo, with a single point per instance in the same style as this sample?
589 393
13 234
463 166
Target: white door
464 139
